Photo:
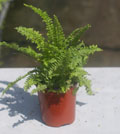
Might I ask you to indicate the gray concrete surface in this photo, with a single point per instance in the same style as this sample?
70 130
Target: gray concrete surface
98 114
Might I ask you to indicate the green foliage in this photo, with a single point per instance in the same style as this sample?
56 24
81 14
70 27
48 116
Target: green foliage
26 50
32 35
61 58
18 79
1 3
74 37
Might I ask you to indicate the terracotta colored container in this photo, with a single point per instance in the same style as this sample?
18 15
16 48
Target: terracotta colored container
57 109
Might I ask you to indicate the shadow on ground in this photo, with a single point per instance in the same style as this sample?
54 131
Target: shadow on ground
21 103
80 103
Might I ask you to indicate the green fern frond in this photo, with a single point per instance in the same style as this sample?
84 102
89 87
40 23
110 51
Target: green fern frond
11 84
48 21
30 81
58 32
78 72
40 87
89 50
75 36
79 54
26 50
80 75
87 83
32 35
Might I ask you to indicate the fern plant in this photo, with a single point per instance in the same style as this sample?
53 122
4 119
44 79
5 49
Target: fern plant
61 59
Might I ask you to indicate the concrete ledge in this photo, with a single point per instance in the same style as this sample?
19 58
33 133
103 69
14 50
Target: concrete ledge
98 114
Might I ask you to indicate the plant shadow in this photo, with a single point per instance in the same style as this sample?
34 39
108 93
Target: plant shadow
80 103
21 103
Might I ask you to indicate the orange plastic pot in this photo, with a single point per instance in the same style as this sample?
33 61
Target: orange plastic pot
57 109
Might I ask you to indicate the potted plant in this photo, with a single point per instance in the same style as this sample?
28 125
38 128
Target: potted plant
60 72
